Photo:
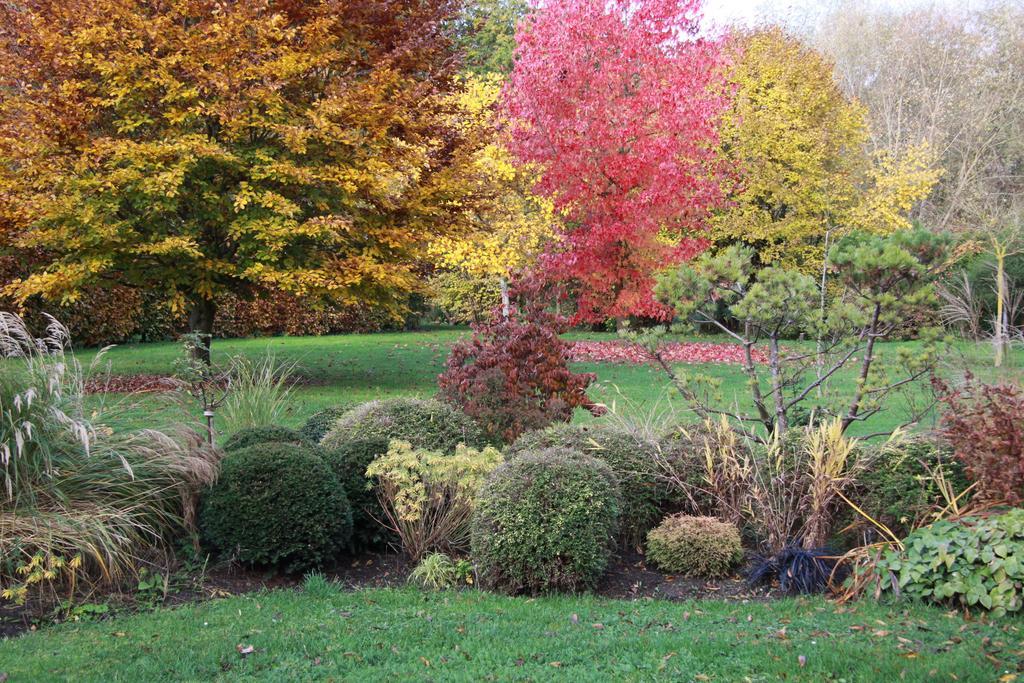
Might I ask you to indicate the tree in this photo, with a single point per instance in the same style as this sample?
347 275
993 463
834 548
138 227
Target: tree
202 147
487 36
618 103
799 146
510 230
879 279
951 77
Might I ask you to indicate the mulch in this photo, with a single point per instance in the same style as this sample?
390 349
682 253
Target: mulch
673 352
628 578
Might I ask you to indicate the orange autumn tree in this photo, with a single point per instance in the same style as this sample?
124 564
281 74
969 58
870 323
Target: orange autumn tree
201 147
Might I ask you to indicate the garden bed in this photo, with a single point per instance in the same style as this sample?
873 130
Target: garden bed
673 352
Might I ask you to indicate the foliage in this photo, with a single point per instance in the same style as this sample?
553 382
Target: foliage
621 115
465 299
200 148
438 572
279 505
319 423
269 313
349 461
631 458
985 425
428 497
508 232
695 546
799 144
898 487
252 436
259 393
487 34
428 424
546 521
84 503
513 376
797 569
976 561
875 281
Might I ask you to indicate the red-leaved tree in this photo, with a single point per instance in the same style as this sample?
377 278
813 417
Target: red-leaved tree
618 101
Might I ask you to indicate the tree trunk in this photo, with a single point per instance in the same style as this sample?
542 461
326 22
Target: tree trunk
200 323
505 305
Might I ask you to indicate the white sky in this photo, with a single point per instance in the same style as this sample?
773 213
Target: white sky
723 12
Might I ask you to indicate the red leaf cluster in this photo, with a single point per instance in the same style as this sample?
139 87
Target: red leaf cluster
675 352
985 425
513 376
619 103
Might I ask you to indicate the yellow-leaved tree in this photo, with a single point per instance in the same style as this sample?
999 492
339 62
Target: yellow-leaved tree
511 228
202 147
803 175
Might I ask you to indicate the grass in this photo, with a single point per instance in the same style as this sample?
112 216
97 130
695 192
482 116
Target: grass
407 635
361 367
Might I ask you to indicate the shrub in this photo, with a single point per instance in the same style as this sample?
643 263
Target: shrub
897 486
985 425
632 459
971 562
513 376
695 546
546 521
321 422
428 497
438 572
427 424
252 436
798 570
84 503
349 462
279 505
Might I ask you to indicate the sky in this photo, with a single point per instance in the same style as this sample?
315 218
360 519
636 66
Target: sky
723 12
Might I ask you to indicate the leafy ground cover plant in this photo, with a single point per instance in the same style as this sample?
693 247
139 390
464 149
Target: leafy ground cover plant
428 424
985 425
279 505
428 497
84 503
438 571
970 562
695 546
546 521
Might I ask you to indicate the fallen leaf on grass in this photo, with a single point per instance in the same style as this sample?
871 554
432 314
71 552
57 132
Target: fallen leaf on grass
245 650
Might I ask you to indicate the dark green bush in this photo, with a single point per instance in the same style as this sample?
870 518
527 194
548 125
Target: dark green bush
546 521
970 562
321 422
349 462
633 460
695 546
251 436
426 424
897 487
277 504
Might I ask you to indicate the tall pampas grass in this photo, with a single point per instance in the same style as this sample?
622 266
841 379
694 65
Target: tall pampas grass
91 501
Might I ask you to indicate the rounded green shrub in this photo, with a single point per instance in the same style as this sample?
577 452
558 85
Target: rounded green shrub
277 504
972 562
427 424
320 422
897 487
349 462
645 494
251 436
546 521
695 546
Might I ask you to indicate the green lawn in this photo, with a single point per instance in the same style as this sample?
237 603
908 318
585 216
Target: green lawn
408 635
361 367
